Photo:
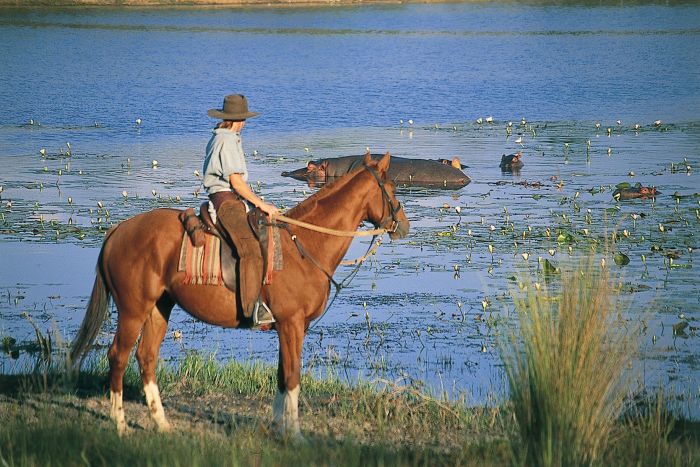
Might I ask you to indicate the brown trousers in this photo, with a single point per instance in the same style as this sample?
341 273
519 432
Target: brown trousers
231 215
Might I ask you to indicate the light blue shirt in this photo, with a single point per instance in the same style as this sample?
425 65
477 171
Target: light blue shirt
224 157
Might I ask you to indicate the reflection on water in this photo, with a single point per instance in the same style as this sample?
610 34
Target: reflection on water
331 82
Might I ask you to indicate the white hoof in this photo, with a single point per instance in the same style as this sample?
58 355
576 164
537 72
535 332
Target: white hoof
117 412
285 414
155 407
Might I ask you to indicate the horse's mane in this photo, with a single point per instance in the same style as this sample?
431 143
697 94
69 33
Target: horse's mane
329 189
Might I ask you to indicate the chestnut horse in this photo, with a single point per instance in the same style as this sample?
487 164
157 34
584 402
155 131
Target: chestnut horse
137 268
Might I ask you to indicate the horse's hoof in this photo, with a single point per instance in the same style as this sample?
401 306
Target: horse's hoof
291 434
122 429
165 427
293 437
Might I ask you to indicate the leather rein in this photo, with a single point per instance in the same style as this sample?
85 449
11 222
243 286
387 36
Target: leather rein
374 244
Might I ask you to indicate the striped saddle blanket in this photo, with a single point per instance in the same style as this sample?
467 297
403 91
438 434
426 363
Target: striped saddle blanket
201 264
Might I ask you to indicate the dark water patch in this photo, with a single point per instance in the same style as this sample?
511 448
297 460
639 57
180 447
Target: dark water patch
336 31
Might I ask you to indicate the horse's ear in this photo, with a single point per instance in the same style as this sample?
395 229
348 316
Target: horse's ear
383 164
367 159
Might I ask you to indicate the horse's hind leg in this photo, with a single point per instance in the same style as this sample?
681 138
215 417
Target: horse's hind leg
128 328
147 356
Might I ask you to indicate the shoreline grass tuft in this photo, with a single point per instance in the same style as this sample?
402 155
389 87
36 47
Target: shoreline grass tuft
566 366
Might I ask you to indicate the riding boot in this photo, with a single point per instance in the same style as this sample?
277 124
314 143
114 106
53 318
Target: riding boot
232 216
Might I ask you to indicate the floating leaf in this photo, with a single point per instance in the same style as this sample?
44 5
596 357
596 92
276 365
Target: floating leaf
548 267
623 185
679 328
565 237
621 259
536 197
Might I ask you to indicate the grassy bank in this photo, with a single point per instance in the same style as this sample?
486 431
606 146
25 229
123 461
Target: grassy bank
221 415
567 359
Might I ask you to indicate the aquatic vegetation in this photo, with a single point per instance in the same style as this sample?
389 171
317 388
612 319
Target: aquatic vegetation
464 246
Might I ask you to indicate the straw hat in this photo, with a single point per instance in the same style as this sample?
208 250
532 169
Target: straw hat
235 108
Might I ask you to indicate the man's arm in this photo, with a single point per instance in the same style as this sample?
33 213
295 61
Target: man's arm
243 189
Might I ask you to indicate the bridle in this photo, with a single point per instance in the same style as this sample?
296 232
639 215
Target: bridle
385 197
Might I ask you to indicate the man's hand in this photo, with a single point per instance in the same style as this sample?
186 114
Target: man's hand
268 209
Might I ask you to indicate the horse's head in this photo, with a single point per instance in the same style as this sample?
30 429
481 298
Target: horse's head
385 211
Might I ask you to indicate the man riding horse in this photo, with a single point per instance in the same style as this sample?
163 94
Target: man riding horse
230 196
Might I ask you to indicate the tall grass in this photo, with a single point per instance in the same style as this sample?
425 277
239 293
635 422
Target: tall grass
565 365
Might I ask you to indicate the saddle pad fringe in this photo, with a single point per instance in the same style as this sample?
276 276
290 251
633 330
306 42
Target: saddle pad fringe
274 253
202 264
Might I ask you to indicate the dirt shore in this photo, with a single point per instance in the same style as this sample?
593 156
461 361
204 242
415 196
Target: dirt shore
196 3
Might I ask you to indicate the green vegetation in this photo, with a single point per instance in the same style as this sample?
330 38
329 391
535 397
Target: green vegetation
221 415
567 362
568 366
567 381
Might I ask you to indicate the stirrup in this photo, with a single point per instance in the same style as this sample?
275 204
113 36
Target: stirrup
262 316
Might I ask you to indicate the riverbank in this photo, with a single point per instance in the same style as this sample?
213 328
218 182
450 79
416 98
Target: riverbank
290 3
189 3
221 414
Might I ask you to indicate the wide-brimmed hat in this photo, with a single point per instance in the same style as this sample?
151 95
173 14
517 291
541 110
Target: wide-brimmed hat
235 108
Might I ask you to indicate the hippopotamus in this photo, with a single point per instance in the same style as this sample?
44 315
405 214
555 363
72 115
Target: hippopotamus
442 173
511 162
635 192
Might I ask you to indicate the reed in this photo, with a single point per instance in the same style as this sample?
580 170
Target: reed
566 368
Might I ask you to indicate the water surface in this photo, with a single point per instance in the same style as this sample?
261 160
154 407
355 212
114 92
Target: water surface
331 82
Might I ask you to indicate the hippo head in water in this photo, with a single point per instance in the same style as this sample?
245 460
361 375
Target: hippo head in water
635 192
314 173
454 162
511 162
648 191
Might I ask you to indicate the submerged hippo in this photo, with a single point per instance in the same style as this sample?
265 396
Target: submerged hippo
511 162
441 173
635 192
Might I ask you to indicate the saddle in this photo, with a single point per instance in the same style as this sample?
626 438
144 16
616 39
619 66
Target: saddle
199 227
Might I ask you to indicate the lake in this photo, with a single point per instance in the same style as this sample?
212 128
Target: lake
581 85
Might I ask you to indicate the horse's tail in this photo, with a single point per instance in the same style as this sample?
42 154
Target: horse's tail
95 315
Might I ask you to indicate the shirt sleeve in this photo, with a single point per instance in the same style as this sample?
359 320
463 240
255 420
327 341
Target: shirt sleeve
232 158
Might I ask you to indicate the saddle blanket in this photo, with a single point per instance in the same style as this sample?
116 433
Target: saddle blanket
202 265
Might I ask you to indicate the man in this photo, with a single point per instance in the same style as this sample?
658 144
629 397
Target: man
230 196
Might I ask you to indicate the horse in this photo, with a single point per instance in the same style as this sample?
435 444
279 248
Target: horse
137 269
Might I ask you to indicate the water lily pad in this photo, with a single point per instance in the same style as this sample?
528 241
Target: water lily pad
549 268
621 259
565 237
679 328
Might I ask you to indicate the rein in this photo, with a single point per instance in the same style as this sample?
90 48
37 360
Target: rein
345 282
374 244
325 230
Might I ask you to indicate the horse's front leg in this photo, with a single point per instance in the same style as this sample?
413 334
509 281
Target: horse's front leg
285 410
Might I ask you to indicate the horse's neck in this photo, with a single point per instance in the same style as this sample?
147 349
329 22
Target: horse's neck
342 208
